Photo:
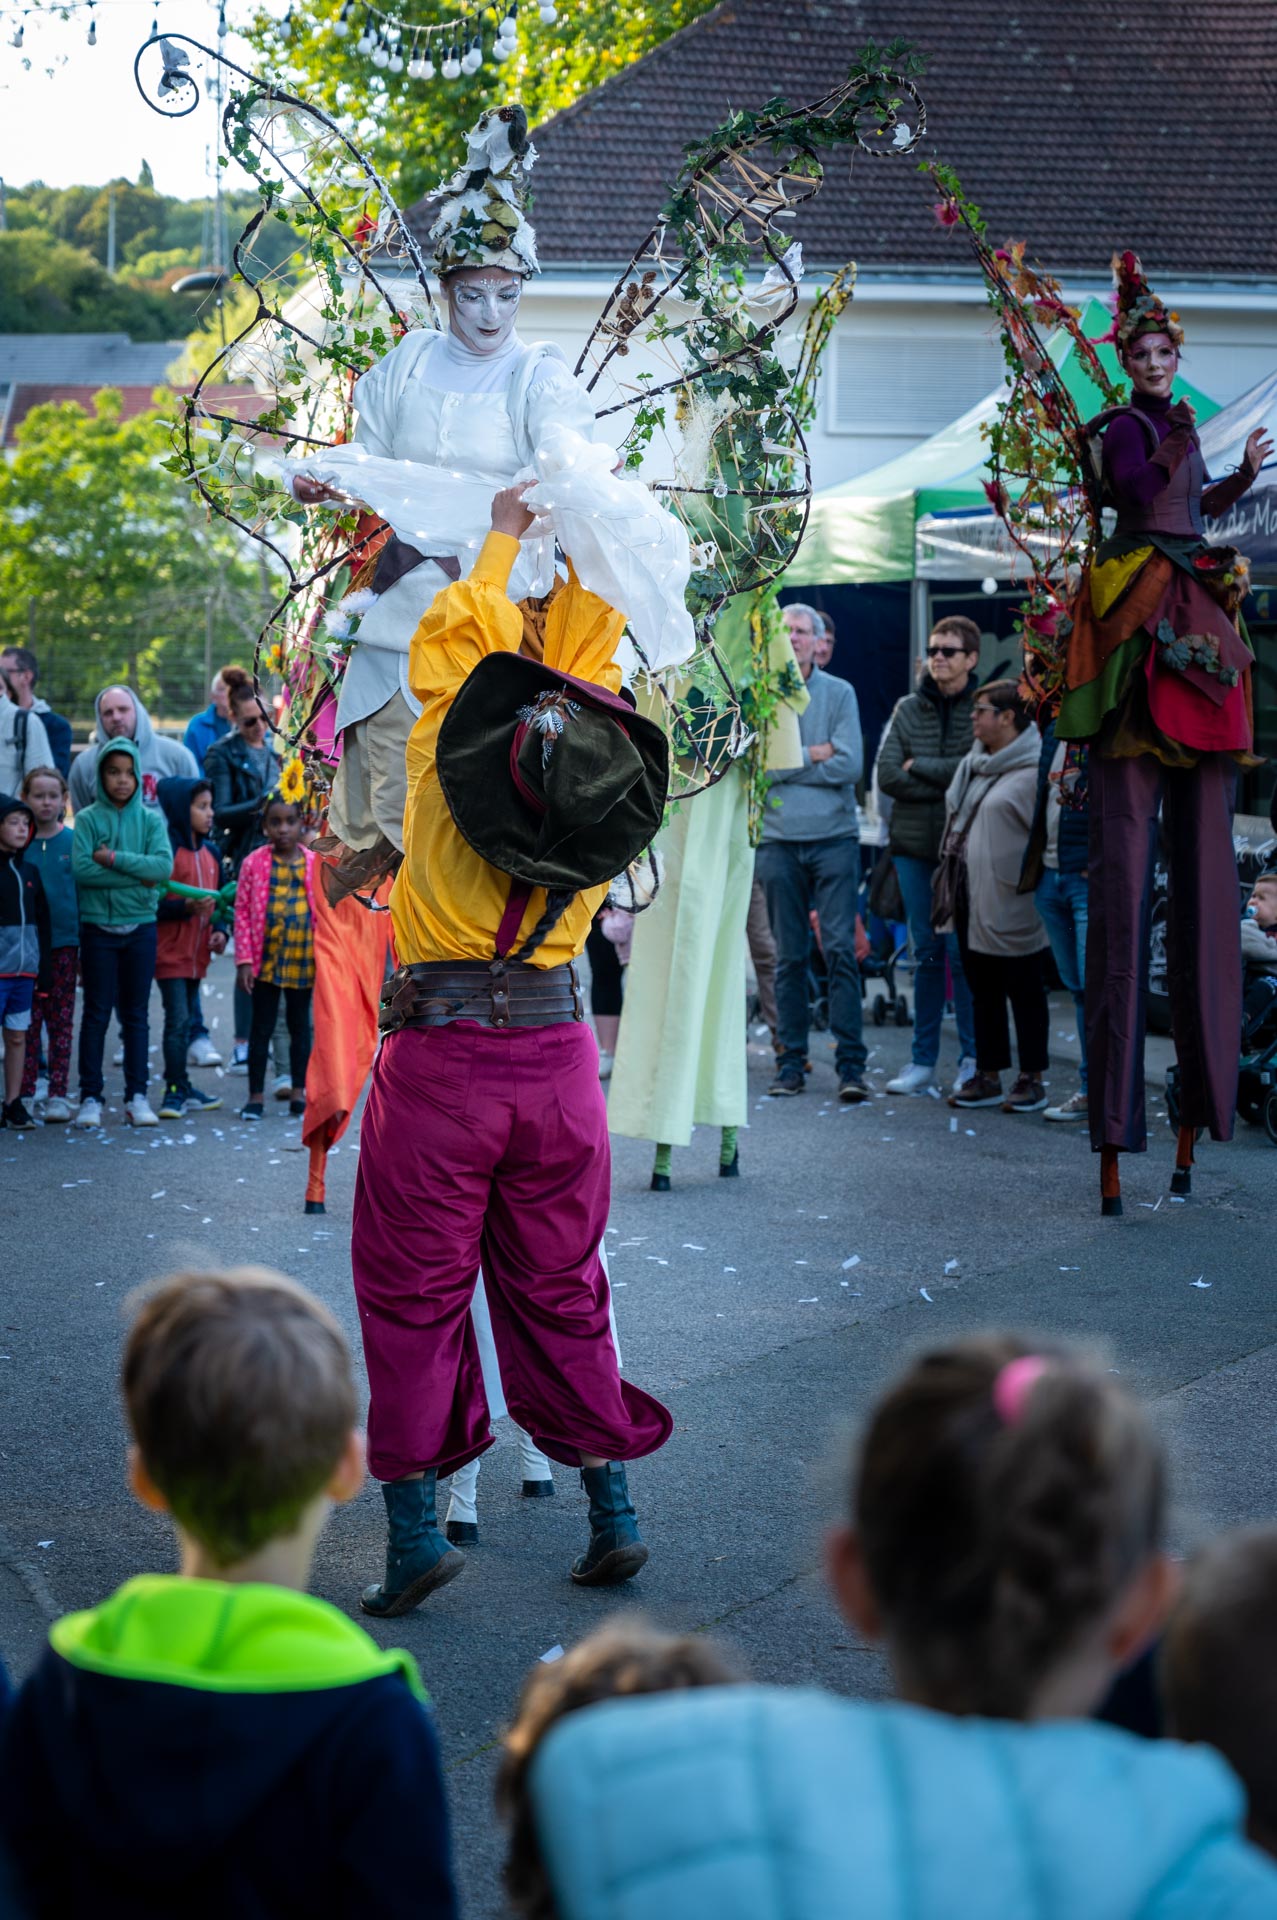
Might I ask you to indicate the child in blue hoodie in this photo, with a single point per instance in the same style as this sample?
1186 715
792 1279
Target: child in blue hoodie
217 1743
24 950
120 857
1004 1543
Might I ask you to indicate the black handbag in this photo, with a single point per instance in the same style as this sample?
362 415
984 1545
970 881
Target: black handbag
949 881
885 897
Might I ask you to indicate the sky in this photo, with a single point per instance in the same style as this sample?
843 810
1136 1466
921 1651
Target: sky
86 123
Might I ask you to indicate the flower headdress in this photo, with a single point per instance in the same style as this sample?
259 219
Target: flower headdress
481 222
1138 308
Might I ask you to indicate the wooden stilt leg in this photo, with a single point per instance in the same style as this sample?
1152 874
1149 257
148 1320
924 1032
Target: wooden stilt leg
1182 1178
1110 1183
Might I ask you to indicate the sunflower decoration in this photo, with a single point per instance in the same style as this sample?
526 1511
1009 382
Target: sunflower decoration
292 780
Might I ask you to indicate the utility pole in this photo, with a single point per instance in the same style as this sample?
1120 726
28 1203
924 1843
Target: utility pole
110 231
208 641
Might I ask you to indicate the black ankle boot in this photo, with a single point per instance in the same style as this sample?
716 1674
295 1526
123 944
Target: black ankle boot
418 1558
615 1552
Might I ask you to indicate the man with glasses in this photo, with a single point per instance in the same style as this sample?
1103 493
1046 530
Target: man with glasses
927 736
242 768
810 857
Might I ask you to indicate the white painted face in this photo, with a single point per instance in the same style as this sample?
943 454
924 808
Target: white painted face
483 305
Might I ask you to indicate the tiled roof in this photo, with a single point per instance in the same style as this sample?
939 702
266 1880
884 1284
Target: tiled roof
85 360
17 403
1079 126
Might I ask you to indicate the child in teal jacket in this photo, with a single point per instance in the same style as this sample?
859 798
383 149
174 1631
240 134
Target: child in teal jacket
120 857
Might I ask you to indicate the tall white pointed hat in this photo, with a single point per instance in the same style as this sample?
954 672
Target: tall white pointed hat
481 222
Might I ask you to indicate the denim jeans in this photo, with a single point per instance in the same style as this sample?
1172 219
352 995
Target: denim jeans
116 970
181 1006
929 950
1061 903
796 876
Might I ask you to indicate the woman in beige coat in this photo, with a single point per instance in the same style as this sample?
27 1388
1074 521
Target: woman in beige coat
990 811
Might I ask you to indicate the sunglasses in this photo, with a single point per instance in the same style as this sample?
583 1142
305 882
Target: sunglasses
944 653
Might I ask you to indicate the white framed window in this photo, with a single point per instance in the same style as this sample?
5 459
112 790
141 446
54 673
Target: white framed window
905 384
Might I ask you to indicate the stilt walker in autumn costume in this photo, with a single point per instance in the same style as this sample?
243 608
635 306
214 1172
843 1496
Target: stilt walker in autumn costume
485 1136
1158 683
1133 645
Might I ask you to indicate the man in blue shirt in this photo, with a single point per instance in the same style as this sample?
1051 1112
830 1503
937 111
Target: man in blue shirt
213 722
810 857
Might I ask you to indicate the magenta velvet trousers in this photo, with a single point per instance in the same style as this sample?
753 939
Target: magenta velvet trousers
1203 942
488 1147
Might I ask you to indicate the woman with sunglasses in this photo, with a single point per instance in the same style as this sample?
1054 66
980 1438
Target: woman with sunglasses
926 739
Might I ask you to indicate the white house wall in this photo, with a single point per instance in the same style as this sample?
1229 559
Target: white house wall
910 356
915 356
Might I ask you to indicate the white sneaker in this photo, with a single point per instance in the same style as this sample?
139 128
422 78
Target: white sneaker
966 1071
117 1058
606 1063
1074 1109
913 1079
239 1057
57 1109
283 1086
90 1114
202 1053
139 1112
41 1087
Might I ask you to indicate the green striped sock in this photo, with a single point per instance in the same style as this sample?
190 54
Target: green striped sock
727 1150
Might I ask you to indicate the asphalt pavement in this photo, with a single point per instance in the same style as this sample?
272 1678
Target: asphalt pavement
767 1312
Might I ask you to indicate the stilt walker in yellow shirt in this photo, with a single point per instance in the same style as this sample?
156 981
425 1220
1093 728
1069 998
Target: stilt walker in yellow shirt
530 785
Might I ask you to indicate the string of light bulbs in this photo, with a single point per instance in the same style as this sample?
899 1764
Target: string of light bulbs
389 41
95 9
394 44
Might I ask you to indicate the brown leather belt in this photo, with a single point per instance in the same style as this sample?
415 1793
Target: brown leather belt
498 993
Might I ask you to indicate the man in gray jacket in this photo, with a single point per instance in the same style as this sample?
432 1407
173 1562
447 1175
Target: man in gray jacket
926 739
121 716
810 857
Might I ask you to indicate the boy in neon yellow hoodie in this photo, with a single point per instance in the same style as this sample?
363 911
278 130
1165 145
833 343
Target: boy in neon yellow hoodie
217 1742
120 859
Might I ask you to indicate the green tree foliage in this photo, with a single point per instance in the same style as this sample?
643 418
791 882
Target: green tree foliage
52 259
47 286
415 130
111 565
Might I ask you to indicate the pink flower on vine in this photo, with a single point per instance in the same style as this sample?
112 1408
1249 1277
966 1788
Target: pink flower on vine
946 212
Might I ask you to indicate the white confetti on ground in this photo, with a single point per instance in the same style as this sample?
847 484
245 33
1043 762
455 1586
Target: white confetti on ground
854 1261
951 1266
926 1296
1201 1282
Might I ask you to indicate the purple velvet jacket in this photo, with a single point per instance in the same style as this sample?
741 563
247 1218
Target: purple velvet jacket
1161 489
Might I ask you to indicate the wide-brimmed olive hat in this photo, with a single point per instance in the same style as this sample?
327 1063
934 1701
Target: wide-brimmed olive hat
550 779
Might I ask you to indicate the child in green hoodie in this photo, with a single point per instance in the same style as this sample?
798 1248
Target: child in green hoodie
120 857
217 1742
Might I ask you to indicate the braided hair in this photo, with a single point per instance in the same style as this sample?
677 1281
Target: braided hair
993 1545
557 902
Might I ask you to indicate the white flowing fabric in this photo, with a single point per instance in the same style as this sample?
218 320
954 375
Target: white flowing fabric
626 547
436 509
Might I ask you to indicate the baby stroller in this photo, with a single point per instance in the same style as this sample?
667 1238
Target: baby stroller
1257 1076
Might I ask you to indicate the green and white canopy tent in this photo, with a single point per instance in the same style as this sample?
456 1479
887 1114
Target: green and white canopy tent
924 516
